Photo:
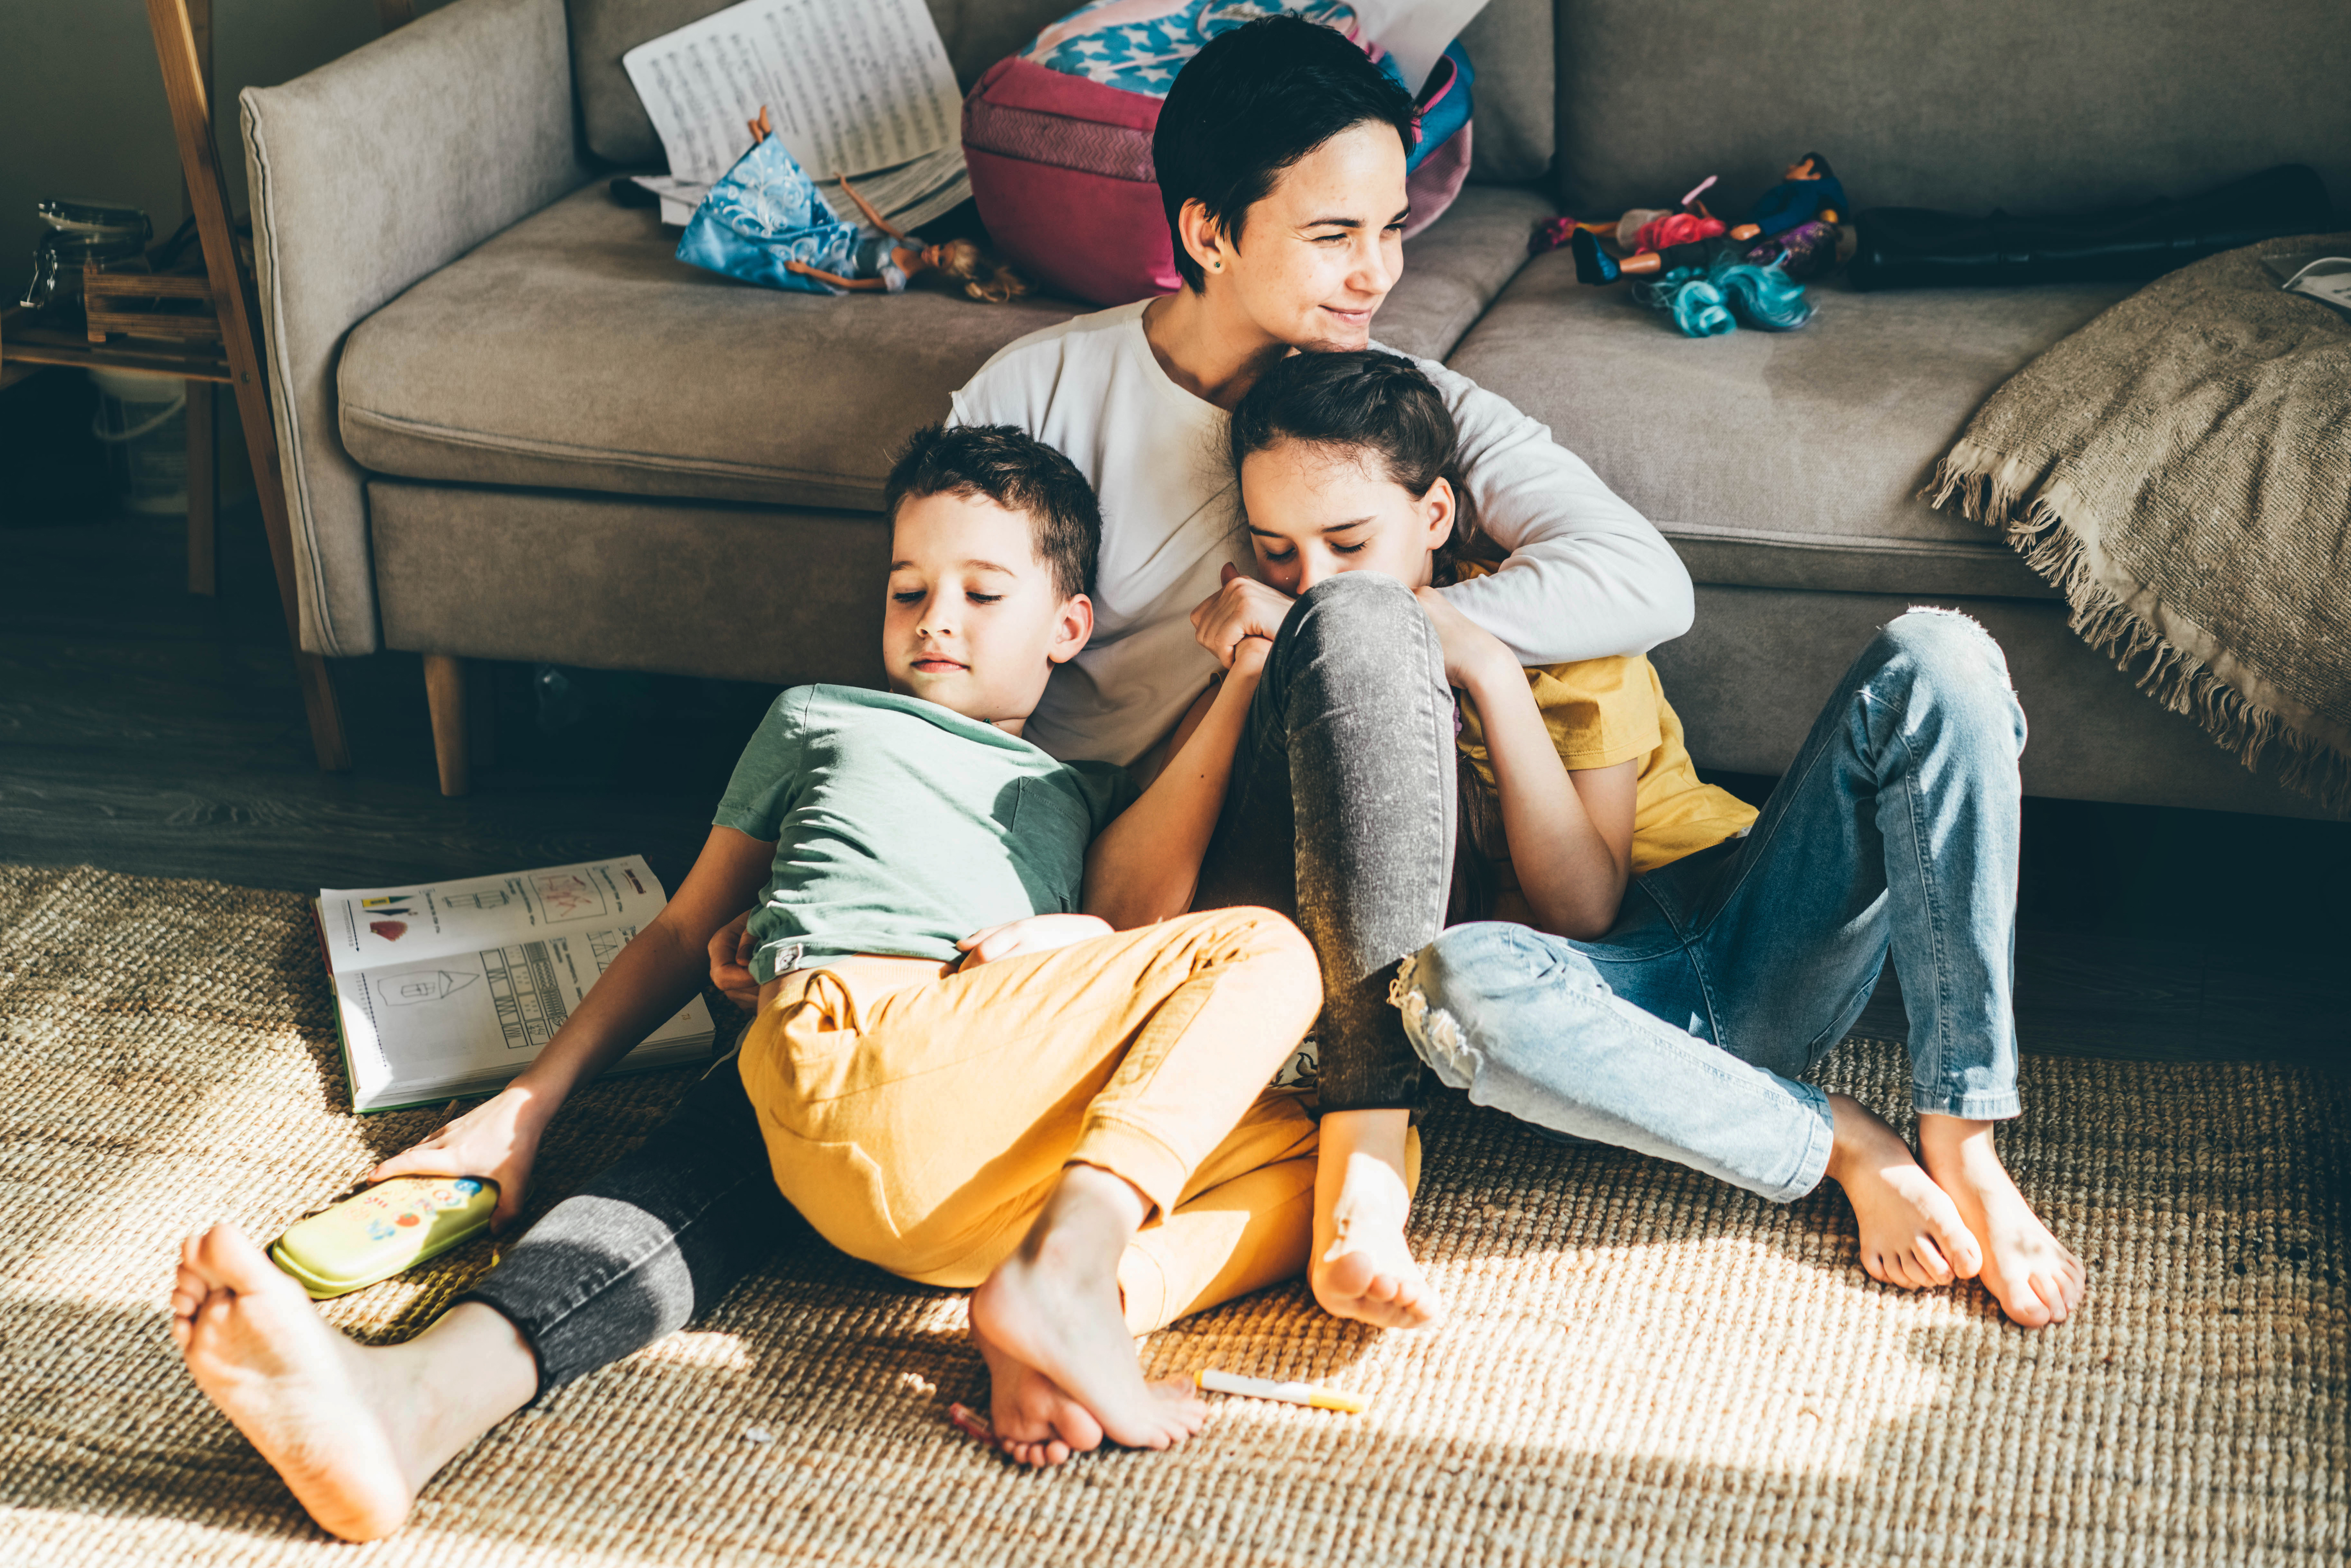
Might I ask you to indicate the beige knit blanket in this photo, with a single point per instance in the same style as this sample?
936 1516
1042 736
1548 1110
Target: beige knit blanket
2180 468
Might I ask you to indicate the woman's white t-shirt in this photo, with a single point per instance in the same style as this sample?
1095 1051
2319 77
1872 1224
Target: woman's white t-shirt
1588 576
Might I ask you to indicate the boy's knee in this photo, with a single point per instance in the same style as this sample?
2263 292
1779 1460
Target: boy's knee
1272 940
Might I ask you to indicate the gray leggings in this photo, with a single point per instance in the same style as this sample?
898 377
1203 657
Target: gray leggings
1340 814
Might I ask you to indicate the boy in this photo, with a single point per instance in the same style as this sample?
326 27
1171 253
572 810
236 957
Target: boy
951 1074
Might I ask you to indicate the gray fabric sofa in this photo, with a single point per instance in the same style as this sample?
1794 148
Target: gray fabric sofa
514 427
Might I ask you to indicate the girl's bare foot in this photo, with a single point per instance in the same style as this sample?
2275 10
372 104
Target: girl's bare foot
1057 1344
299 1391
1360 1267
354 1432
1912 1234
2037 1279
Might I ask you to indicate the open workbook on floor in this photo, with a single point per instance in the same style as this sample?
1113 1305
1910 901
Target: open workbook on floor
453 987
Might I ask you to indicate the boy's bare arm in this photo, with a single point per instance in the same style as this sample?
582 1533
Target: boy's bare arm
1144 866
656 974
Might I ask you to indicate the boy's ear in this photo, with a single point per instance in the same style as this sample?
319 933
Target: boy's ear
1072 629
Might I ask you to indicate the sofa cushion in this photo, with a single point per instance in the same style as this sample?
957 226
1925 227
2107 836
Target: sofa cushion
1781 460
1509 43
1454 267
574 351
1967 105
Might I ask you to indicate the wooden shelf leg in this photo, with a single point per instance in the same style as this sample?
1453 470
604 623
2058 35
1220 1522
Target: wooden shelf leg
183 85
444 694
203 490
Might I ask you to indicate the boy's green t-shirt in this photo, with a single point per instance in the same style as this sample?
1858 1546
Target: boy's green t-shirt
901 827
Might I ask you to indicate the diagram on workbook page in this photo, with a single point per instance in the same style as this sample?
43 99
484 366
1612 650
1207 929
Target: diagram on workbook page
465 982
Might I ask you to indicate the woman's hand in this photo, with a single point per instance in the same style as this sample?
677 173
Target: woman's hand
730 963
1471 651
1243 608
498 1138
1037 934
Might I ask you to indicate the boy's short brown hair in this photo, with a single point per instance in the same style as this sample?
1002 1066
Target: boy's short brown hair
1020 474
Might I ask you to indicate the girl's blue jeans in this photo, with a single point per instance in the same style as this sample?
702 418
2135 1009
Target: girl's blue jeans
1684 1033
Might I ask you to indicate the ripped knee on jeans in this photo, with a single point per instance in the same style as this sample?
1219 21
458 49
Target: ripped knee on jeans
1435 1033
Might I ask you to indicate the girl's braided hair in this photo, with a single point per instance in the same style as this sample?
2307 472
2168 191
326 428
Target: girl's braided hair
1369 404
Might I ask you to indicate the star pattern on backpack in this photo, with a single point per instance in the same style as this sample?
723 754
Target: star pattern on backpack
1143 56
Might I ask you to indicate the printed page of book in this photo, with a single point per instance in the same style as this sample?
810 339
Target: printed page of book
851 86
372 925
2326 280
481 1016
462 983
1415 31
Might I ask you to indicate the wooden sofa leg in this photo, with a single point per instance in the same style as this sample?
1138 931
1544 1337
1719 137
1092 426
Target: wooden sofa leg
444 694
482 713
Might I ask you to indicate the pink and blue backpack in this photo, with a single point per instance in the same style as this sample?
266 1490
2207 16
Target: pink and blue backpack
1058 140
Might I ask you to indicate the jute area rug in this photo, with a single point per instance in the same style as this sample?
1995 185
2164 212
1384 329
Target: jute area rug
1642 1366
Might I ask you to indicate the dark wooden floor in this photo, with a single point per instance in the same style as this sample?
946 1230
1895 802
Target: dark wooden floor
147 730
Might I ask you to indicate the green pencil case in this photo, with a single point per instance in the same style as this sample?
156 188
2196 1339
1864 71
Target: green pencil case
393 1225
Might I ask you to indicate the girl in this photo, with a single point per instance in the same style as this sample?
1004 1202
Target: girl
1674 961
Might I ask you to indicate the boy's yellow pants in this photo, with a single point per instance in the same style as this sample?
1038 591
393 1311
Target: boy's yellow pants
921 1127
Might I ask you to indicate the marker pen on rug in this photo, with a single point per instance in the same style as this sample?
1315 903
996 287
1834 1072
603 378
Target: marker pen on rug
1287 1392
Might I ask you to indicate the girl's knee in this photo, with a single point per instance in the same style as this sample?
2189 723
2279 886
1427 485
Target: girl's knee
1461 995
1943 658
1357 616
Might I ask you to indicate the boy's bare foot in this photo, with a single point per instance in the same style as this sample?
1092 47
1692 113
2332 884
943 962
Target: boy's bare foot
2037 1279
297 1390
1362 1267
1034 1421
1912 1234
1037 1423
1058 1353
354 1432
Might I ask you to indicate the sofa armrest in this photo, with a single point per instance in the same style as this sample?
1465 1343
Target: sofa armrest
366 175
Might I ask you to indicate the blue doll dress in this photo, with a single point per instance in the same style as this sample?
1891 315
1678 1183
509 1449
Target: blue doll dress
876 258
766 212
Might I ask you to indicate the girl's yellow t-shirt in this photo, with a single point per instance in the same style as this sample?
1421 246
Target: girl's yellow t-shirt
1602 712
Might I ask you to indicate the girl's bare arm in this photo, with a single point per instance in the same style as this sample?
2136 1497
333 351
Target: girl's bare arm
1145 865
1571 834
